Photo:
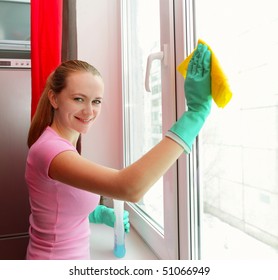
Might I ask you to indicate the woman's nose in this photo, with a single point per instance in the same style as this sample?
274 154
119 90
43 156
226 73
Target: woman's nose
88 109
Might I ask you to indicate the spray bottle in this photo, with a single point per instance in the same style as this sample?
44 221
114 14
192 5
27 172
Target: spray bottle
119 231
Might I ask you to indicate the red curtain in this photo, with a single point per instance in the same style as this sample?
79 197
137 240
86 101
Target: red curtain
46 43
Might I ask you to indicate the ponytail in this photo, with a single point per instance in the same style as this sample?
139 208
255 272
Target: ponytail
43 116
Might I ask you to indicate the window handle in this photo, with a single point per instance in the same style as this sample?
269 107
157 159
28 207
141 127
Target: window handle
162 55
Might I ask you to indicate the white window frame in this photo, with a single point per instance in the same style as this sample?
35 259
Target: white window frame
188 233
174 242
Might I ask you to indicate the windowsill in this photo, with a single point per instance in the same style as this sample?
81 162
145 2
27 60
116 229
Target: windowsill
102 243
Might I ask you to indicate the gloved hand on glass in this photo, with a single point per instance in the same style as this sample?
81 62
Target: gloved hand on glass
106 215
197 89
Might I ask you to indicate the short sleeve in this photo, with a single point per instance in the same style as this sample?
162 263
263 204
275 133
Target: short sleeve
44 151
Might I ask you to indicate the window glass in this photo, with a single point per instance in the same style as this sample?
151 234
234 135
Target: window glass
239 144
143 110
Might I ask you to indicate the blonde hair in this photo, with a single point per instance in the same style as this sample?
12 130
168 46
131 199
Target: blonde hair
56 82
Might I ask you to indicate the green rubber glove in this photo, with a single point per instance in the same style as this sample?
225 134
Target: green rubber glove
197 88
105 215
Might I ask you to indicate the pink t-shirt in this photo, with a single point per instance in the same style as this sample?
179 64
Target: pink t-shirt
59 224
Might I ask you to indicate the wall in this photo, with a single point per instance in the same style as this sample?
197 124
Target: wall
99 43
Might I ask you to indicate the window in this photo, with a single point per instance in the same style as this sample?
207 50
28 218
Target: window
147 115
144 108
238 145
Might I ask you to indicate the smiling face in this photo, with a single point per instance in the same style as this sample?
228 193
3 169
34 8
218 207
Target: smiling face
77 105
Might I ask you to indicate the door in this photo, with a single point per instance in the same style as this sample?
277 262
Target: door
14 122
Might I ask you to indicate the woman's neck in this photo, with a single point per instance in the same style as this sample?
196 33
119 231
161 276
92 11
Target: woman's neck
70 135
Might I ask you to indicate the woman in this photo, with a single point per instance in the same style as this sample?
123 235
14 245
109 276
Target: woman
63 186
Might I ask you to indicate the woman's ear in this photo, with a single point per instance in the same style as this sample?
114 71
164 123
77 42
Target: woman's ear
53 99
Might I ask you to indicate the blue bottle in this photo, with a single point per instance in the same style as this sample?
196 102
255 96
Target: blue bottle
119 231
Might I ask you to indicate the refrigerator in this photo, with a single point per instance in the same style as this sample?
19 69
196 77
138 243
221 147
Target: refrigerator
15 115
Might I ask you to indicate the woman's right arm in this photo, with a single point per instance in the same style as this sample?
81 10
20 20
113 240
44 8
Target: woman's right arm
129 184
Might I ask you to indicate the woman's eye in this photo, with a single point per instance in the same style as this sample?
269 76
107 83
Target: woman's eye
79 99
97 101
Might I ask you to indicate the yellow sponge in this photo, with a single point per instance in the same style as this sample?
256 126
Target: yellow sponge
220 88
